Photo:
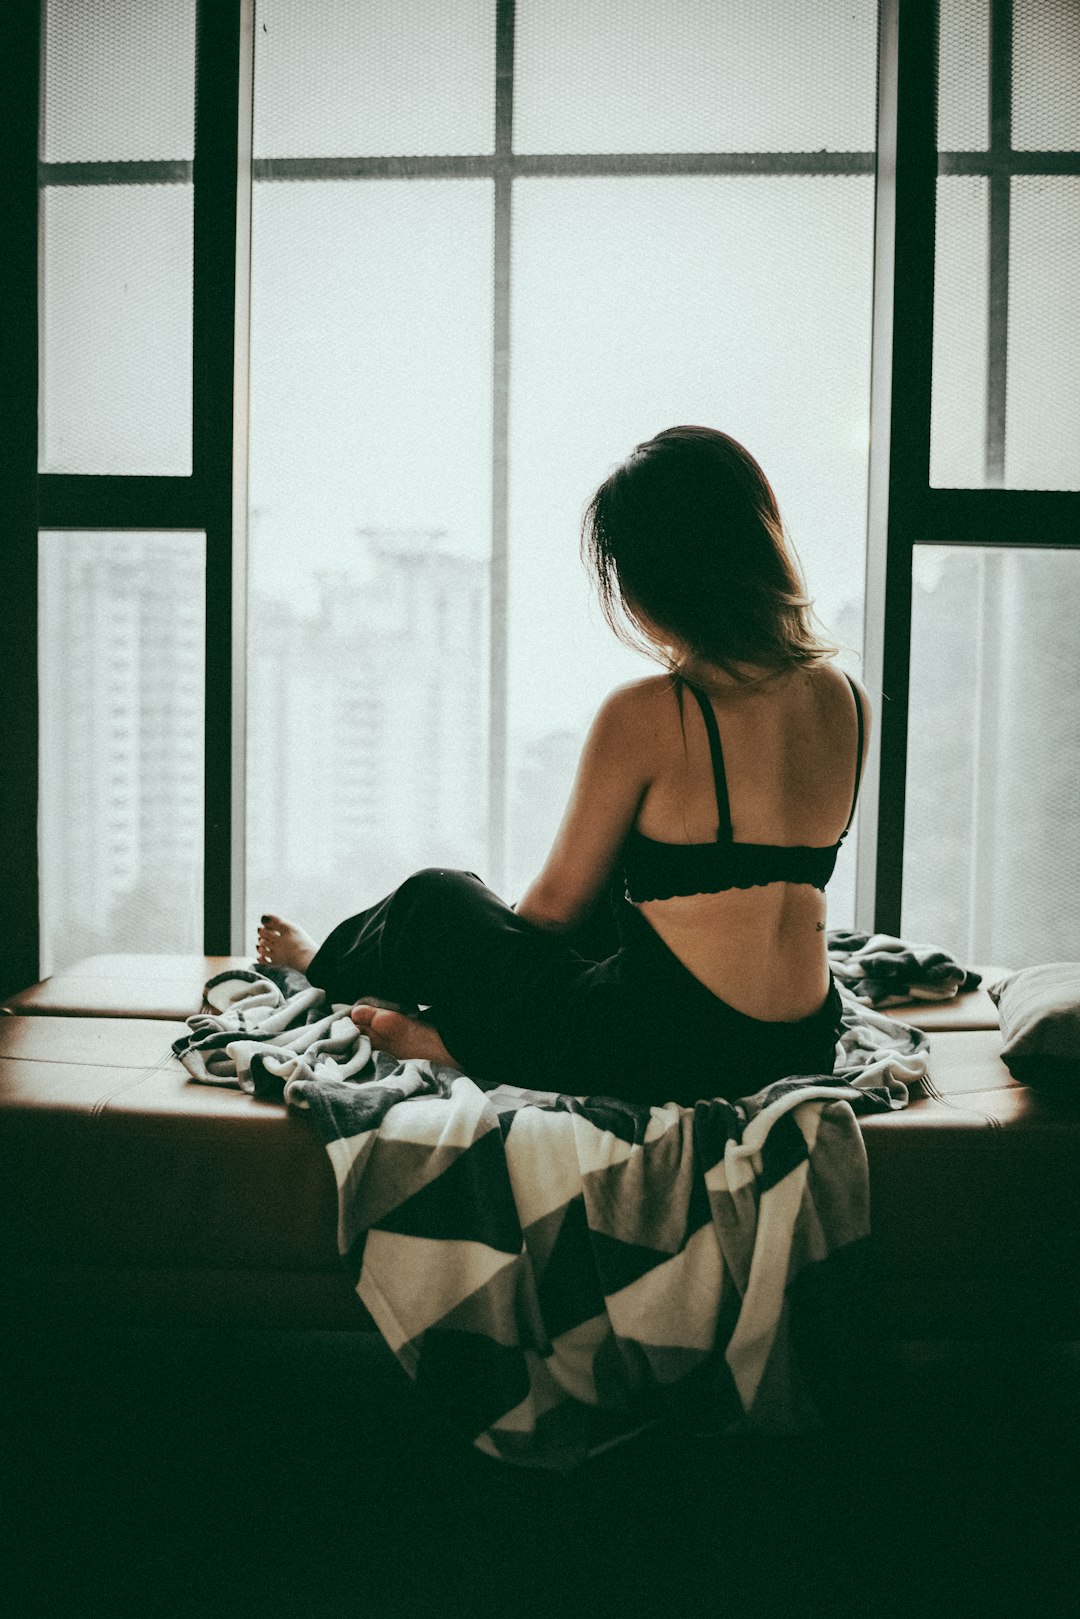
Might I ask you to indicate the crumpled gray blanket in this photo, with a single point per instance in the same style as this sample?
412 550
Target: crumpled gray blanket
264 1027
880 970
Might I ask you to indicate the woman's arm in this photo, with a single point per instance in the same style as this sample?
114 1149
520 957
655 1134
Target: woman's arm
617 764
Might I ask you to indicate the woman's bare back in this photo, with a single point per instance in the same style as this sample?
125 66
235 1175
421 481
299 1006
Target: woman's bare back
789 748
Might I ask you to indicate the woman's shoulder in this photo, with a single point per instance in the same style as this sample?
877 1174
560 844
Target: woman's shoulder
832 721
646 689
637 717
838 683
639 702
861 693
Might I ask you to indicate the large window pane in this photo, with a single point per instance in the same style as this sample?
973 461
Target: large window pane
963 75
1006 401
961 303
1046 75
371 450
335 78
116 329
1039 372
119 80
698 76
638 304
992 855
121 671
1042 441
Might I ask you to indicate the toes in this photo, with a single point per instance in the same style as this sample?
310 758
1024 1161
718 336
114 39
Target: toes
387 1031
391 1027
397 1033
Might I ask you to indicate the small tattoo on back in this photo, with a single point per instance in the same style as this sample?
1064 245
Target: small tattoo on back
819 927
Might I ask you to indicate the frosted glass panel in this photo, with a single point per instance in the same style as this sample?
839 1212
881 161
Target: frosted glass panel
963 75
638 304
119 80
701 75
1042 442
1046 75
371 453
992 848
121 702
958 413
335 78
1042 371
116 329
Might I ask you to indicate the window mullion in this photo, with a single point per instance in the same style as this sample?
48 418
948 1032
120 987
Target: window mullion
20 28
85 500
241 404
997 334
213 335
900 429
500 489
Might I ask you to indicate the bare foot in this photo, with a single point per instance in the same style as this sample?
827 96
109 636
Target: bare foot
403 1037
283 944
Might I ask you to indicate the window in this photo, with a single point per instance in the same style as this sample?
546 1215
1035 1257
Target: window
121 607
369 539
459 321
121 710
990 853
491 246
117 143
1006 403
992 857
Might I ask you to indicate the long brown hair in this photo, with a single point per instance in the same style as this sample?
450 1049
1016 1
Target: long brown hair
685 536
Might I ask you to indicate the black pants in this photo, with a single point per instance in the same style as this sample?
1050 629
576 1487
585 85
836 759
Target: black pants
607 1008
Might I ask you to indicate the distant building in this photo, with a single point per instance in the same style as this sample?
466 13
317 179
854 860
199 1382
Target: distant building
367 727
122 743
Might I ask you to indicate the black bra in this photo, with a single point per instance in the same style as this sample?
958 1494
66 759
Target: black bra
655 870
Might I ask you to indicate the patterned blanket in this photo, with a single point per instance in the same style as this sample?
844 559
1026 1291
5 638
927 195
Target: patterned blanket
881 970
560 1272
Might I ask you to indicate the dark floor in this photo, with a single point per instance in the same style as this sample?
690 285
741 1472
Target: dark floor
154 1476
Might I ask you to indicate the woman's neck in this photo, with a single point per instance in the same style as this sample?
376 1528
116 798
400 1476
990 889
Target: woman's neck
744 679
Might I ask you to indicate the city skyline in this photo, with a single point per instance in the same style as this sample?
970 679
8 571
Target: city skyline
368 737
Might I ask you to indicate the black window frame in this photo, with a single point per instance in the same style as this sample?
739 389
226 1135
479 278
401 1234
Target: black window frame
903 509
201 501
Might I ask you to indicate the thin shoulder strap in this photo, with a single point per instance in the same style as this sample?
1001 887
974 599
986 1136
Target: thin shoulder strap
858 753
723 808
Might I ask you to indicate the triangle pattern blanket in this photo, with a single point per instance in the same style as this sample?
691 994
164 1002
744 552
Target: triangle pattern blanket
559 1272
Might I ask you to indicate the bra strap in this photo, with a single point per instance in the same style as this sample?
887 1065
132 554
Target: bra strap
723 808
858 753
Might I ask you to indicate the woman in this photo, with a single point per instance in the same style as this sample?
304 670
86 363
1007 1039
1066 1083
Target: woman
673 946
